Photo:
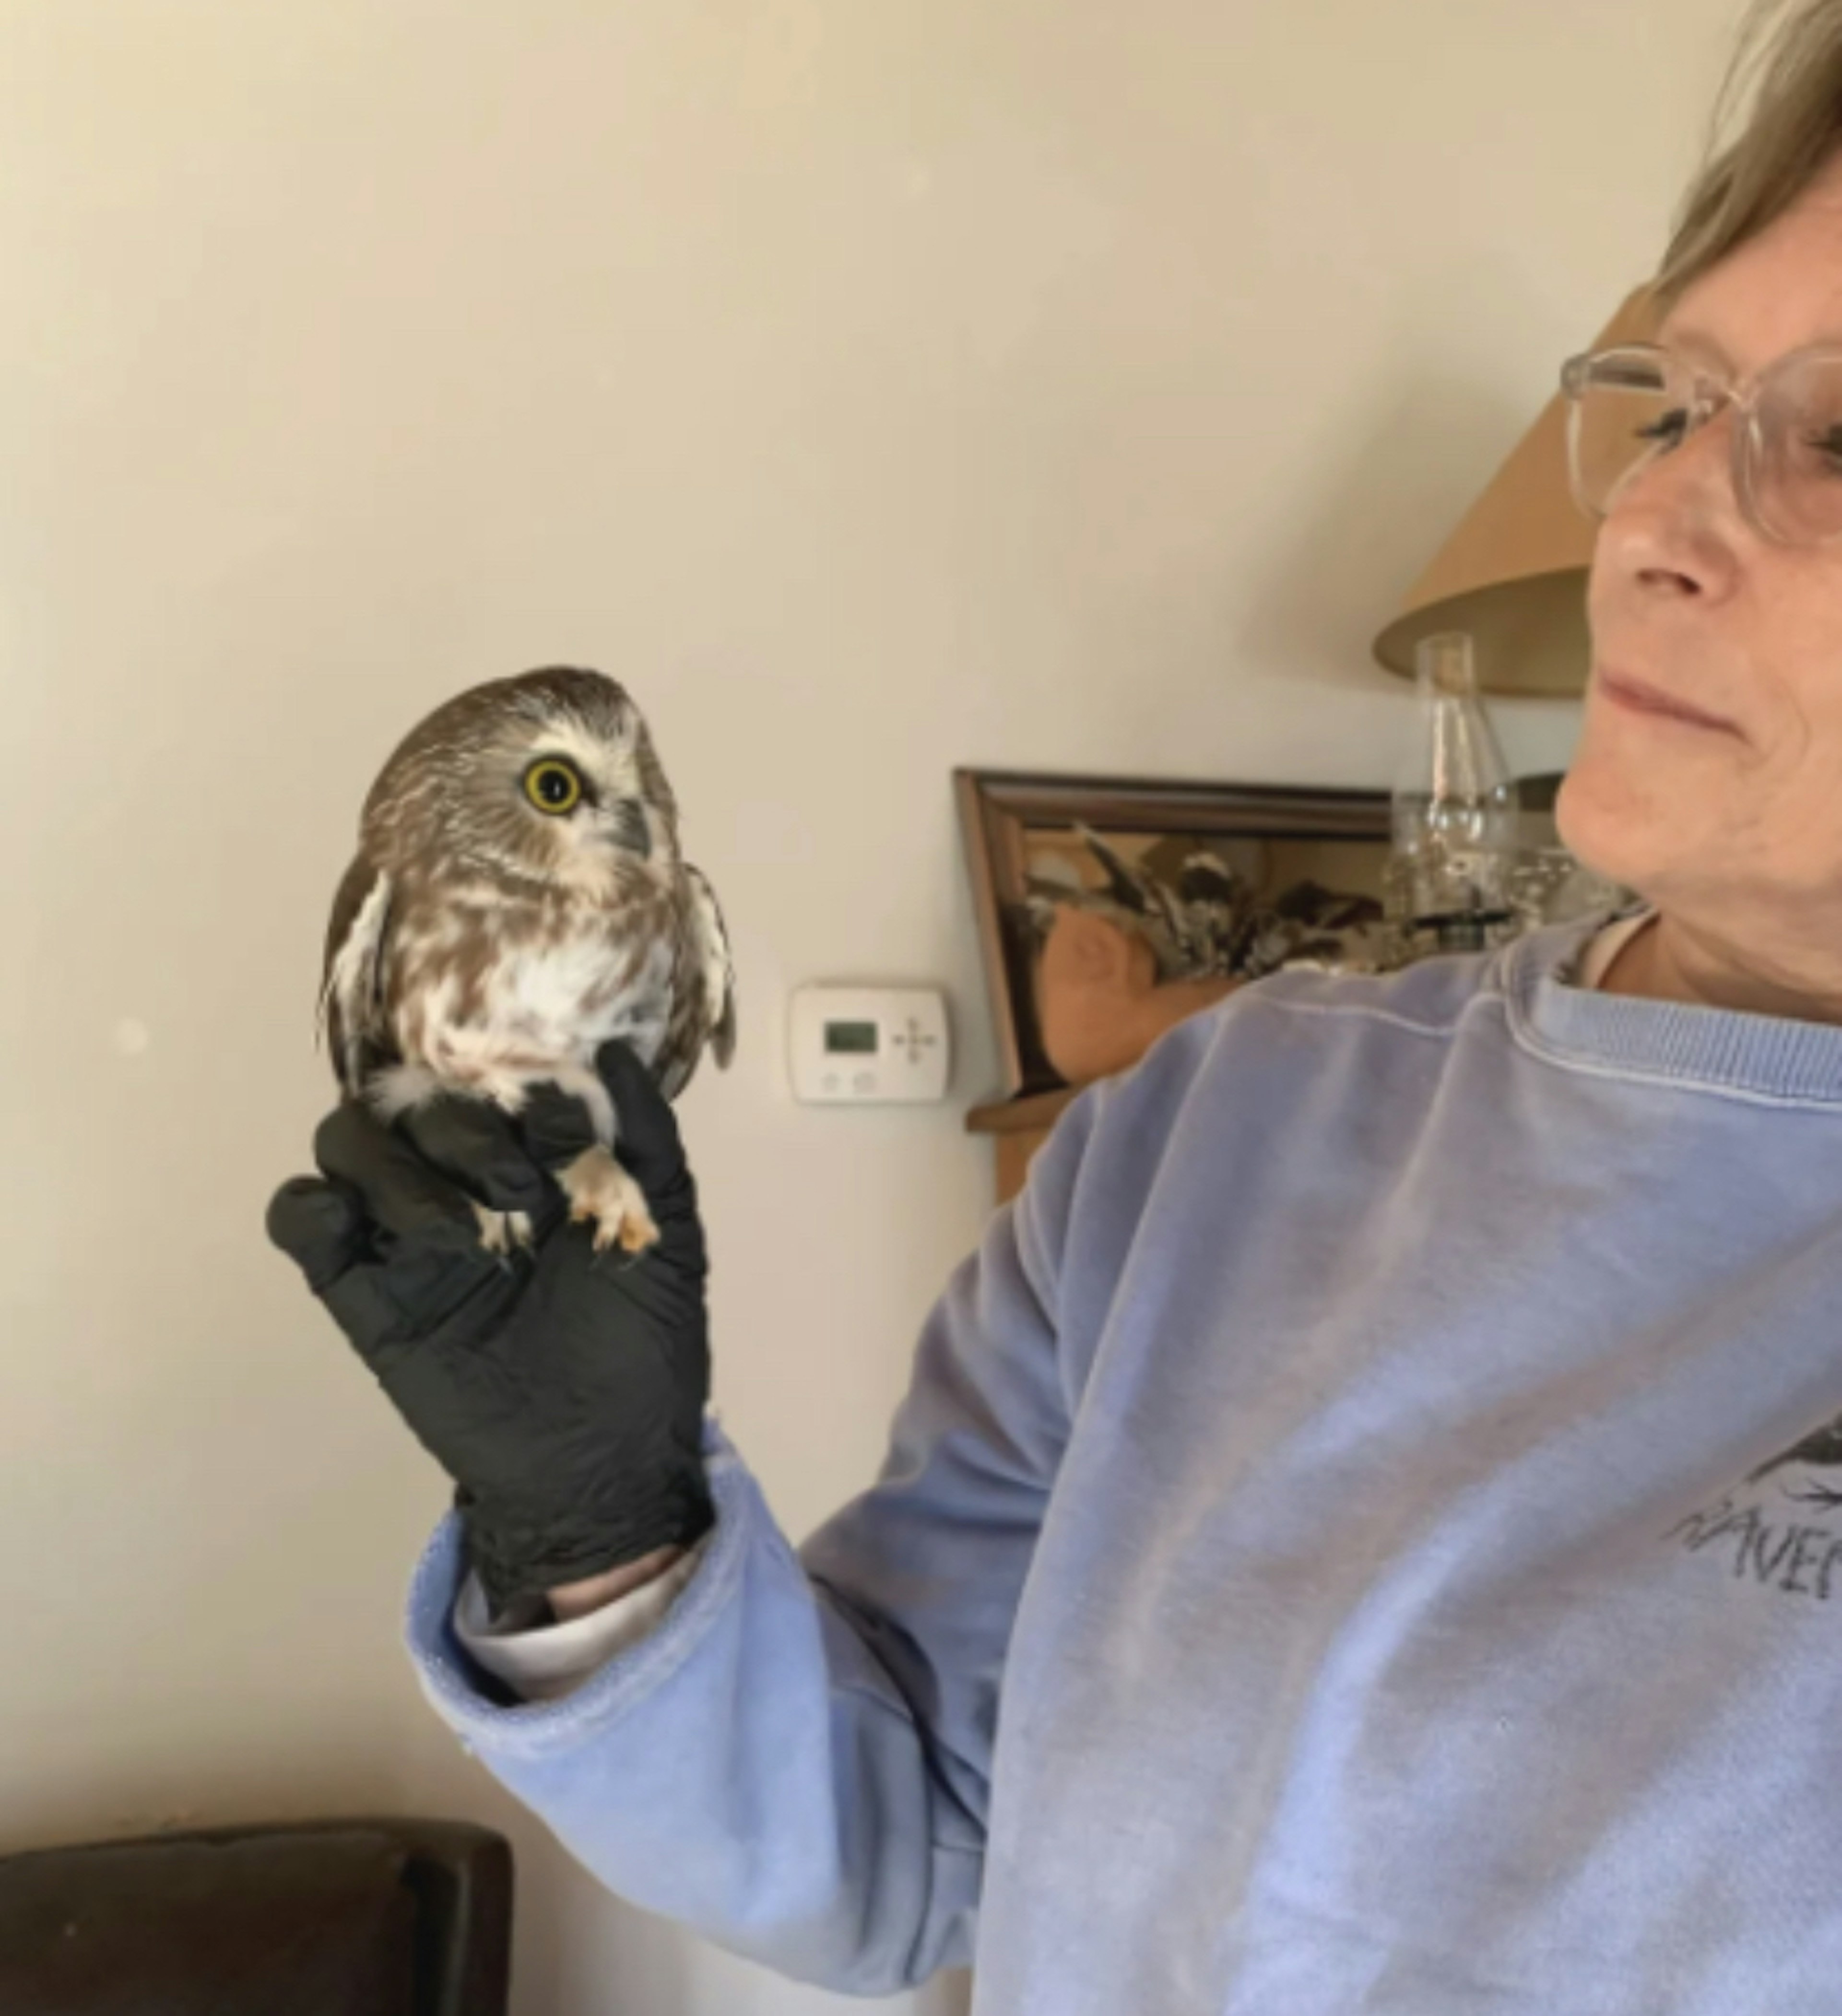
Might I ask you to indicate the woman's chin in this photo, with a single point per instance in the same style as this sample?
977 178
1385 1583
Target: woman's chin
1612 829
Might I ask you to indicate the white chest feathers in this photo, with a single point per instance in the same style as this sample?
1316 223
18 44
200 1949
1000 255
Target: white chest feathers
539 1010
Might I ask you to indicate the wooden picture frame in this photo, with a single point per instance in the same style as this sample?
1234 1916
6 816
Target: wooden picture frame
1003 813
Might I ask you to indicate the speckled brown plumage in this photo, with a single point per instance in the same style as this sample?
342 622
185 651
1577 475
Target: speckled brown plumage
483 939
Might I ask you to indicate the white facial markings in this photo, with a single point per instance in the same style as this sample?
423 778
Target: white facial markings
611 767
584 846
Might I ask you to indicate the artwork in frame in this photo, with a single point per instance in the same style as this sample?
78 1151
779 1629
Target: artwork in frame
1210 884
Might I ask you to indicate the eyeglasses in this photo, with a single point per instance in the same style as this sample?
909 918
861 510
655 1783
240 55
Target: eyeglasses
1631 406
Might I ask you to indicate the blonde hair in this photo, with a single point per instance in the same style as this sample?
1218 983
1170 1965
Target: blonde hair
1776 123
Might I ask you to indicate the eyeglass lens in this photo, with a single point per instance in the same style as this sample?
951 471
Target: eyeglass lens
1633 407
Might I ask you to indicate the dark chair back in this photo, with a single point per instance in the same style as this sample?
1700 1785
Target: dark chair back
360 1918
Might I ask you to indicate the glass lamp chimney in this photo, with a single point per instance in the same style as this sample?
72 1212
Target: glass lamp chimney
1456 818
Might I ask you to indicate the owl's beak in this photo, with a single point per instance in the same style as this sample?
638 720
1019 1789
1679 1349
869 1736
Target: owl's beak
630 830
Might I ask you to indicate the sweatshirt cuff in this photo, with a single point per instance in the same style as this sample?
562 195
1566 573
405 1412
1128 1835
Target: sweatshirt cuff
548 1662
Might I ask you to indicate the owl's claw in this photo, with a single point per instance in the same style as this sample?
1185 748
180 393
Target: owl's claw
501 1230
602 1194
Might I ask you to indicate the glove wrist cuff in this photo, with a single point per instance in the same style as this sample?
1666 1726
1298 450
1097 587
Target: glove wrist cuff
514 1564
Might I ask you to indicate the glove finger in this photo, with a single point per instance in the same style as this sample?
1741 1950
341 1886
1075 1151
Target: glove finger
403 1192
361 1302
556 1125
646 1133
321 1227
424 1297
474 1143
647 1140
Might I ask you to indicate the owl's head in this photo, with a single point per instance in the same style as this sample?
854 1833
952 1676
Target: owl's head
551 775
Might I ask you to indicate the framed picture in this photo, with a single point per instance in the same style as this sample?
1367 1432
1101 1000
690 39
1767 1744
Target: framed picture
1227 880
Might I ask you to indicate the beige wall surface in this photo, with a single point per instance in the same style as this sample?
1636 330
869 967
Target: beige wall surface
876 386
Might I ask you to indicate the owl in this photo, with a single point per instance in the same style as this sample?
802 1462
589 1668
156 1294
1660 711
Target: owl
518 900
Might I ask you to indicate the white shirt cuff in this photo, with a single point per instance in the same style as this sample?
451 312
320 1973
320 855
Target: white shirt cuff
544 1662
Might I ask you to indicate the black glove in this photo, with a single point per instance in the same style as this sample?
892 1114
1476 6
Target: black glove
563 1391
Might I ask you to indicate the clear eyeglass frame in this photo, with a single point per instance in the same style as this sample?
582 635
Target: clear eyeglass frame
1787 480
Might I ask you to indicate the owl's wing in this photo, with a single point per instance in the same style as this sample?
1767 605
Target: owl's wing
352 993
718 969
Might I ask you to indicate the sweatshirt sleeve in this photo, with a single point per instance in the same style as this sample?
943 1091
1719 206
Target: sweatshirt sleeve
795 1760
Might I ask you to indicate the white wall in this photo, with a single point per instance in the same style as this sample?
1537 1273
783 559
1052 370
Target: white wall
876 388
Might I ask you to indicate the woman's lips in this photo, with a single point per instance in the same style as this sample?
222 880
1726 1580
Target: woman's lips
1636 697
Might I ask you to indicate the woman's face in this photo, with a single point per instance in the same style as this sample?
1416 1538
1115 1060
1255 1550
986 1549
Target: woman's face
1727 814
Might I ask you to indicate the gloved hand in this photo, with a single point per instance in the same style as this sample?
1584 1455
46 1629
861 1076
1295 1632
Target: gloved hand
564 1391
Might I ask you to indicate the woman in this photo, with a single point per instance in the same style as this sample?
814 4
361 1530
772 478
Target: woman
1361 1532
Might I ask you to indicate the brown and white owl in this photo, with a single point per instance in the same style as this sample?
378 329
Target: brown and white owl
518 900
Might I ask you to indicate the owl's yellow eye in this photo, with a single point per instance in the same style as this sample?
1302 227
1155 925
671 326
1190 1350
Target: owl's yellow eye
553 786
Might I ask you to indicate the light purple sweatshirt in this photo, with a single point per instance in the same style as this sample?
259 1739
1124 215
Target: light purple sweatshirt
1362 1540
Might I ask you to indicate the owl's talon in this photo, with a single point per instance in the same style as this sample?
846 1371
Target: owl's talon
638 1232
501 1230
602 1193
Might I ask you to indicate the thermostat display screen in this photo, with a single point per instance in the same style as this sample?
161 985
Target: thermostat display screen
850 1039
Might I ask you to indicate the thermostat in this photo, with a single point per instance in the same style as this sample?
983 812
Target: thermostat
867 1046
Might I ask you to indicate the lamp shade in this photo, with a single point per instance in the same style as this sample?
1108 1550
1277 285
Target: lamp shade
1514 572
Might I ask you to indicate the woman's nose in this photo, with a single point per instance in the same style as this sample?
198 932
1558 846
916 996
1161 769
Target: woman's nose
1674 528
